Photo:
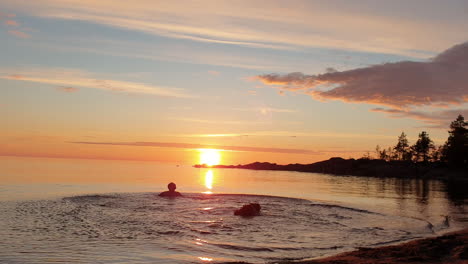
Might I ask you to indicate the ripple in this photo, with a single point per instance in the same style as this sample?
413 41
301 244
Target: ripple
149 228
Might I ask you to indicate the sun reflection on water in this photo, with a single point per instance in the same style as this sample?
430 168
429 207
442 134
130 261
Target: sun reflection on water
209 181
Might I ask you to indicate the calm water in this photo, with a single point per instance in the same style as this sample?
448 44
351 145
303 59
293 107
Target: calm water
85 211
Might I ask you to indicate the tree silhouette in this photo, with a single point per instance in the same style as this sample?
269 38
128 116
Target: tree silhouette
456 147
437 154
402 149
422 147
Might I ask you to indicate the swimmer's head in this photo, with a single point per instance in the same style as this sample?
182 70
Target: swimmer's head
171 186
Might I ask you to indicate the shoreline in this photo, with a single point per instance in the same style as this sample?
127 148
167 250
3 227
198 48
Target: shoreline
361 168
447 248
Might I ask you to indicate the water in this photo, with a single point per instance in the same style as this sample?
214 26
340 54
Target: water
78 211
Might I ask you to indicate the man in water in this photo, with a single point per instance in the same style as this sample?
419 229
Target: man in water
171 193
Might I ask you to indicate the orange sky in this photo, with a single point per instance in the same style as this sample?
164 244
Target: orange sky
301 81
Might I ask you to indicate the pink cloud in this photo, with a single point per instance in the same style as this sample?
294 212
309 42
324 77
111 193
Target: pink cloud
11 23
19 34
67 89
15 76
442 80
216 73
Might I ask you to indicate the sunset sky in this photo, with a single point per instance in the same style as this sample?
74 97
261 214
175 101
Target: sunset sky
278 81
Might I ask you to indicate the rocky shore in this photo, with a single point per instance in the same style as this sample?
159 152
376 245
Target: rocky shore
451 248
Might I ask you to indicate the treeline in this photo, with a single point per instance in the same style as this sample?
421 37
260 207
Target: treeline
454 152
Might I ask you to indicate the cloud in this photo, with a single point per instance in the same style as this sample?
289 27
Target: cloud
19 34
274 24
215 73
435 119
78 78
225 122
166 52
441 80
267 110
6 15
275 133
202 146
67 89
12 23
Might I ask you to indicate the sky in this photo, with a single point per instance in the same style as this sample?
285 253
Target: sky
277 81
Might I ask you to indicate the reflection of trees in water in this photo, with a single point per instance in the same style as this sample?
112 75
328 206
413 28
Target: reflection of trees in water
423 190
428 197
457 192
420 189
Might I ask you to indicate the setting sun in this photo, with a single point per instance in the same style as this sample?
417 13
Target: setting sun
210 157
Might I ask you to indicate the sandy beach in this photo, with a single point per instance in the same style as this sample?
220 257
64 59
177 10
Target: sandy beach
449 248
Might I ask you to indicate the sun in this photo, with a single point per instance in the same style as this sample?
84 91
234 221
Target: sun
210 157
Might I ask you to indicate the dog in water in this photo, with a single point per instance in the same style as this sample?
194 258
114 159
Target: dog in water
251 209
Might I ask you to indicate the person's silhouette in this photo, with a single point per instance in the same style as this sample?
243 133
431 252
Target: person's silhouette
171 193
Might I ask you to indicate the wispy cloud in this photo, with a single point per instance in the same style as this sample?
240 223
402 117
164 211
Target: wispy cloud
266 110
272 24
215 73
19 34
11 23
326 134
178 53
79 78
6 15
214 121
442 80
67 89
202 146
435 119
18 31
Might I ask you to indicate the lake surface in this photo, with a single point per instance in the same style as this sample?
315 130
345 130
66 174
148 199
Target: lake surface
90 211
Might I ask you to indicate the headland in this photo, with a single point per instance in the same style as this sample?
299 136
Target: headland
361 167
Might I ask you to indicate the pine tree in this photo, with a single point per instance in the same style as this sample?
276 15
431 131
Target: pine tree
402 148
423 147
456 147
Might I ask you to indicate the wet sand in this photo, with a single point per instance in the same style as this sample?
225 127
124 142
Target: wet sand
450 248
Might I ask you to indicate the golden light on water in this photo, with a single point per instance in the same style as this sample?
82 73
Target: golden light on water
210 157
209 179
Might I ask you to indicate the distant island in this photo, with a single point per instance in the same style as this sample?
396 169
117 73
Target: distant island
421 160
360 167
